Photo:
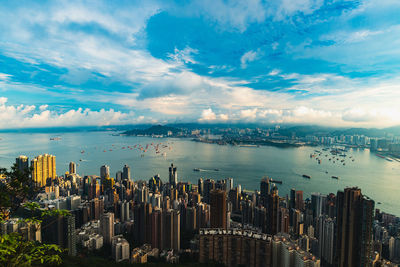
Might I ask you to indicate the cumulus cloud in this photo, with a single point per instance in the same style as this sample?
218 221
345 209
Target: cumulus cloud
25 116
208 115
43 107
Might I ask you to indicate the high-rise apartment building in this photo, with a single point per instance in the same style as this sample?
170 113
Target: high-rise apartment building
264 187
126 172
235 247
173 176
120 248
218 208
22 163
170 232
272 212
104 172
107 226
72 168
44 167
354 228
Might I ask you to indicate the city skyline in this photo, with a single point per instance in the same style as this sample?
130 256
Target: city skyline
228 224
79 63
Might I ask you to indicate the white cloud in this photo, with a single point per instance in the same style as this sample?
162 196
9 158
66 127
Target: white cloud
287 8
208 115
43 107
248 113
185 55
248 57
351 37
274 72
24 116
4 76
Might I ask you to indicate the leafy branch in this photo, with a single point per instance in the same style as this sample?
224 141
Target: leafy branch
16 189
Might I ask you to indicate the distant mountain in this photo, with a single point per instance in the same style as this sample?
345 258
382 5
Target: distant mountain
302 131
154 130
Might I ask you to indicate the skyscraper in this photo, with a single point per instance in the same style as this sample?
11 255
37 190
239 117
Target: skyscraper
22 163
72 168
171 229
107 226
354 228
44 167
173 176
126 173
272 212
104 172
218 208
264 187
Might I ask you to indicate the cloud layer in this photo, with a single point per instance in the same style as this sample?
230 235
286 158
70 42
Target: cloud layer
303 61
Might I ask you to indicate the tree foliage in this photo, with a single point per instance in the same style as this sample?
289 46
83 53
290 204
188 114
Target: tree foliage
17 189
14 251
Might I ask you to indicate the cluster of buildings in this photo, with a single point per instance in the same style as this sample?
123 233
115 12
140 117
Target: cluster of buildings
387 144
212 220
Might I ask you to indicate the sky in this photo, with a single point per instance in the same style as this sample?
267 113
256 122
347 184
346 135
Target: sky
80 63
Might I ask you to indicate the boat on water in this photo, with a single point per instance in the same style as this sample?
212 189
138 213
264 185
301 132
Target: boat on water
216 170
306 176
335 177
196 169
276 181
55 138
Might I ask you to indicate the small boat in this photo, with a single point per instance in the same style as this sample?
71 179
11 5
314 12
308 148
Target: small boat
335 177
196 169
306 176
379 202
80 159
326 172
216 170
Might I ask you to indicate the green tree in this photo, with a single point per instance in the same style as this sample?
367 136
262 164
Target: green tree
17 188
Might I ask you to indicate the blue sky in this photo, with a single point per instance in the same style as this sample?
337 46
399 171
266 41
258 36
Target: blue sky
65 63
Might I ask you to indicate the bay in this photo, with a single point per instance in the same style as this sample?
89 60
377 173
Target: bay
378 178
